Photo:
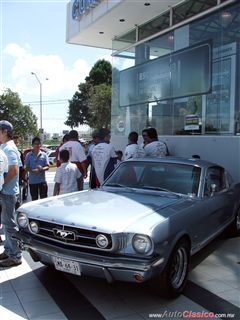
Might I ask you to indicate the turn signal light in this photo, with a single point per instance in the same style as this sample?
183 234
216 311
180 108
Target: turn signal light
138 277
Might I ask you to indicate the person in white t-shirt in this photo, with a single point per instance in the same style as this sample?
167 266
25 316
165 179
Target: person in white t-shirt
3 170
153 147
104 157
3 167
67 177
76 153
133 150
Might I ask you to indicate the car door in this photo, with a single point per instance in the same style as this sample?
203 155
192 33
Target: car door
218 198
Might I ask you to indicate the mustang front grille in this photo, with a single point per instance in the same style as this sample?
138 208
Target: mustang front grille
69 235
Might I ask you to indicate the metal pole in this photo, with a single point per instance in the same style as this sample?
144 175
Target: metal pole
40 84
41 106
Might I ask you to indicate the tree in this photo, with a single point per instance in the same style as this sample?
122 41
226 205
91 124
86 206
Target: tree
21 116
100 107
79 106
100 73
78 112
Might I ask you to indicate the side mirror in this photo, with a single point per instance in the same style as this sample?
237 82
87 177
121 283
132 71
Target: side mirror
213 188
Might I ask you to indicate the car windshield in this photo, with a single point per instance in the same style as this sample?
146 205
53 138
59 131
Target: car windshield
173 177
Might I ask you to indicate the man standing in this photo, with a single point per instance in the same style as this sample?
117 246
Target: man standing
76 153
133 150
95 141
104 157
152 146
37 163
12 255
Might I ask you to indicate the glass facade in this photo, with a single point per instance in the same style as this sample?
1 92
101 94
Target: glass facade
184 82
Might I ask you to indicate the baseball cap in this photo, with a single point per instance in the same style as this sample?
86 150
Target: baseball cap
4 124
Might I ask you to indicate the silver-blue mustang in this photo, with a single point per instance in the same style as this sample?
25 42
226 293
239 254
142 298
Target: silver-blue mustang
143 224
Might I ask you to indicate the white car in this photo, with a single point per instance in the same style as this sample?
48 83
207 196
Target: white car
51 157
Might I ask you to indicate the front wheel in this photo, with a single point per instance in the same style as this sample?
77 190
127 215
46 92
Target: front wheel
172 281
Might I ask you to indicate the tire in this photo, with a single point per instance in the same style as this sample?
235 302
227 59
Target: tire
172 281
234 229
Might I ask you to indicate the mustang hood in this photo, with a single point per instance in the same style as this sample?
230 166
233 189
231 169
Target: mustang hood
99 210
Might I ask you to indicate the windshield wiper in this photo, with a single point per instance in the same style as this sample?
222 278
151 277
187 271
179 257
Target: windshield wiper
114 185
159 189
155 188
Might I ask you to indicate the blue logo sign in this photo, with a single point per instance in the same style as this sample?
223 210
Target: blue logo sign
81 6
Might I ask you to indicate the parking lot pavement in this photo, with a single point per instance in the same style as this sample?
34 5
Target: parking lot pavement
33 291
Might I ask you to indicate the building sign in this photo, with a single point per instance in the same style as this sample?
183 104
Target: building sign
80 7
179 74
191 122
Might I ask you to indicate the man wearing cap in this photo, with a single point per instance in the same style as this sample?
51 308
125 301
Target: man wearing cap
12 254
104 157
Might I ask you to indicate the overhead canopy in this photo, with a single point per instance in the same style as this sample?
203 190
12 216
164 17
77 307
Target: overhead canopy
99 25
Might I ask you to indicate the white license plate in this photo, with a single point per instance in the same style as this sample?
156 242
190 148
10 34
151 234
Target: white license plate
67 265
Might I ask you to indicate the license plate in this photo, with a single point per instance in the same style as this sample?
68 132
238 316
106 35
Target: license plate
67 265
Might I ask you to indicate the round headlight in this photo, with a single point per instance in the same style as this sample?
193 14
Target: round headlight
22 220
102 241
141 244
34 227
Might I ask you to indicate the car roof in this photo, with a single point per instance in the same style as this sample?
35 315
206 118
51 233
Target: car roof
177 160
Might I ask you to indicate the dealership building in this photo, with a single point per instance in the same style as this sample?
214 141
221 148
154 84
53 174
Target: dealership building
176 67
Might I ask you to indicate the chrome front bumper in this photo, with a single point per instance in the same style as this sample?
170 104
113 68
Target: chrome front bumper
111 268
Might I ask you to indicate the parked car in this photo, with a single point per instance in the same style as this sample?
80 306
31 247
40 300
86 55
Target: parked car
146 221
48 147
51 157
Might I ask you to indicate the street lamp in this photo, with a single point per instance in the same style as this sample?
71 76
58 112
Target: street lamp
40 84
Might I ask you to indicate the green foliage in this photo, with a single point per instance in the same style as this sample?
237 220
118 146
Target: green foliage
100 106
78 112
100 73
84 108
21 116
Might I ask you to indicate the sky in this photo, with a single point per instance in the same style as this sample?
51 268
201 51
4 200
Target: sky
33 39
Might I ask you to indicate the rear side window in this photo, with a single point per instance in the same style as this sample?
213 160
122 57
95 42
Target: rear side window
215 176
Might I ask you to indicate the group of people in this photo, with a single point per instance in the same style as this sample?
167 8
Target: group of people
100 156
72 166
13 168
103 158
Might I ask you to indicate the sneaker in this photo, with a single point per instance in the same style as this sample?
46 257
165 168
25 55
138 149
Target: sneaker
3 256
10 262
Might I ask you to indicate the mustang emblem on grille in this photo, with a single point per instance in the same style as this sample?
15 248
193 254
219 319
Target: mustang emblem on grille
64 234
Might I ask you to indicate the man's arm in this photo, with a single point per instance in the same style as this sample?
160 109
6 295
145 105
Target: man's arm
84 168
79 185
56 189
12 172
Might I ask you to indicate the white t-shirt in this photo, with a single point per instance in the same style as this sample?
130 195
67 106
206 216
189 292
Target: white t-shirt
75 149
155 149
133 151
101 156
3 167
67 175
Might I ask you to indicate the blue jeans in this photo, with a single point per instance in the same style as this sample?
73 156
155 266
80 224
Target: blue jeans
11 247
